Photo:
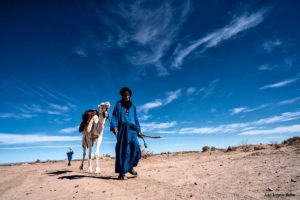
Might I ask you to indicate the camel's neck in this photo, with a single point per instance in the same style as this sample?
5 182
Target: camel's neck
101 122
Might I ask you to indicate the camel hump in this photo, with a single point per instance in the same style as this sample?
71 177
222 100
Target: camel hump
86 117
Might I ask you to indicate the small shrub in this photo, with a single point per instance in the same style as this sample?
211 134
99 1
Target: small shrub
292 141
205 148
229 149
213 148
37 161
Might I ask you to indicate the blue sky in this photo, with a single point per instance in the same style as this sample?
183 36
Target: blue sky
214 73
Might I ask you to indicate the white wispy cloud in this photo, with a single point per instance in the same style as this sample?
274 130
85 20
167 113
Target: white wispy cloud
173 95
202 130
213 110
209 89
17 116
236 127
237 25
52 108
69 130
265 68
191 91
23 89
6 138
288 62
225 128
172 127
50 112
62 108
152 29
283 117
55 94
33 108
279 84
270 45
289 101
170 97
239 110
40 147
81 52
180 144
155 126
277 130
163 131
144 117
246 109
235 111
150 105
47 92
43 104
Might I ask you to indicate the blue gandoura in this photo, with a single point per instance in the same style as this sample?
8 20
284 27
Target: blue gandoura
125 125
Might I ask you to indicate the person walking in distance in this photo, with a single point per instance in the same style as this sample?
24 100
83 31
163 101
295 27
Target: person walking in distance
70 154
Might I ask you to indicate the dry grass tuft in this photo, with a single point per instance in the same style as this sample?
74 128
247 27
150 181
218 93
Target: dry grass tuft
259 147
245 147
146 154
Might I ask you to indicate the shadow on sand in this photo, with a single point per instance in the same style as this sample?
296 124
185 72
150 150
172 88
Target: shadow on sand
78 176
58 172
74 177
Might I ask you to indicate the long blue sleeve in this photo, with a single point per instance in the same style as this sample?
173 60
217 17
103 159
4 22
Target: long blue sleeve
137 123
114 118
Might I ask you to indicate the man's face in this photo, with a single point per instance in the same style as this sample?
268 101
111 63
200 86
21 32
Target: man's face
126 96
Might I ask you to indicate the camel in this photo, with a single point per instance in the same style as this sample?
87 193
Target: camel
92 130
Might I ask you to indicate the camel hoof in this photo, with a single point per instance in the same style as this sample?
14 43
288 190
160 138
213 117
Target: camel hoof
90 170
97 171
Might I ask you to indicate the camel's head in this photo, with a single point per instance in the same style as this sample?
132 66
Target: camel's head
103 108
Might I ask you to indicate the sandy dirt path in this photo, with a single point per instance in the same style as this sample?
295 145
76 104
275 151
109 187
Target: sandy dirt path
263 174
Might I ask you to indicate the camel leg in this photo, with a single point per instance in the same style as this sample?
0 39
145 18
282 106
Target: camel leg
97 155
84 152
90 169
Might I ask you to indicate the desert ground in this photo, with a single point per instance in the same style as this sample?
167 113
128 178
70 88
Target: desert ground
245 172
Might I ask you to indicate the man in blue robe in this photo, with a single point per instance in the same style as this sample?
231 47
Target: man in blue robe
125 125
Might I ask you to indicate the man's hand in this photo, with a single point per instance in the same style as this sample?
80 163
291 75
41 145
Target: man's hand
115 131
140 134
